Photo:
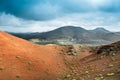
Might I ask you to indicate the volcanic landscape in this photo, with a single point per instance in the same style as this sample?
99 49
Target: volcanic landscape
23 60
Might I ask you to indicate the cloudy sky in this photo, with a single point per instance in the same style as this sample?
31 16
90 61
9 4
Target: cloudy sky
45 15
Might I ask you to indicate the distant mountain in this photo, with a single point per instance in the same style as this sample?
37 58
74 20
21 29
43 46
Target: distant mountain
66 32
118 33
75 35
100 30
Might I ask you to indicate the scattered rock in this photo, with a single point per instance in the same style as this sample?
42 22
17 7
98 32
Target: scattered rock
18 57
68 76
118 70
110 65
18 76
97 78
2 68
81 78
86 72
1 59
110 74
29 63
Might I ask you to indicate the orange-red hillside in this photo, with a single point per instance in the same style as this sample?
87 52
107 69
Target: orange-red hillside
22 60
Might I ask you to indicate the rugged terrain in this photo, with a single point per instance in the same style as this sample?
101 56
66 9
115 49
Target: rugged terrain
22 60
72 35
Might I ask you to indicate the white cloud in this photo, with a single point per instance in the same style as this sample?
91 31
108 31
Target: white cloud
7 19
88 21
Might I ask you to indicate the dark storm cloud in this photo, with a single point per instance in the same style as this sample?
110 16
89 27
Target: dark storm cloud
44 15
50 9
113 6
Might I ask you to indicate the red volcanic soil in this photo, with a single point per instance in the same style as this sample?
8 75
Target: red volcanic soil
103 63
22 60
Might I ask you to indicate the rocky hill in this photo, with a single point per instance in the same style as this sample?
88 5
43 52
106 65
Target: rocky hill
74 35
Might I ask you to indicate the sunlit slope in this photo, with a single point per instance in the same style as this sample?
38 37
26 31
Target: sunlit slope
27 61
